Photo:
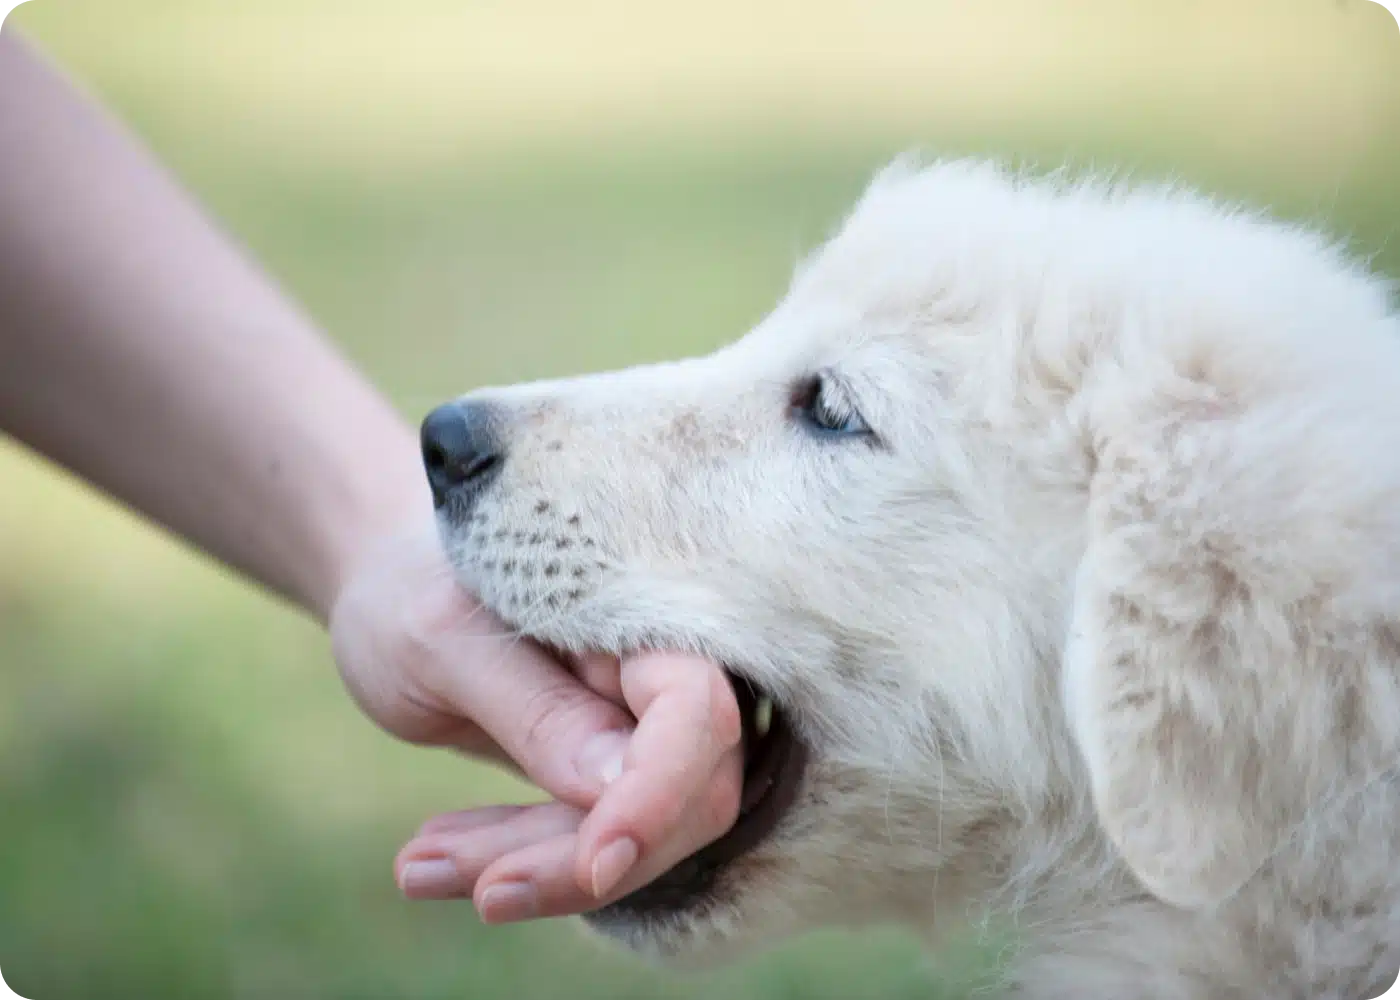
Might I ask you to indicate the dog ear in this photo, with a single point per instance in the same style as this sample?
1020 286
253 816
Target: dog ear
1204 680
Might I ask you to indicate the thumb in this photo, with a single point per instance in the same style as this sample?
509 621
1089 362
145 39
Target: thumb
424 659
559 732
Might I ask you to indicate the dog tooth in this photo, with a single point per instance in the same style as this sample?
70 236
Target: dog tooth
763 716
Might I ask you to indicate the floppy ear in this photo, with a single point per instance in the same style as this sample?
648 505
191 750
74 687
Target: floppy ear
1204 682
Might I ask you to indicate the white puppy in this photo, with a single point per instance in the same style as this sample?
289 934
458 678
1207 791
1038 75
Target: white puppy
1053 532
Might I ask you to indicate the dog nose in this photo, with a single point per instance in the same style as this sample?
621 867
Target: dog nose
462 450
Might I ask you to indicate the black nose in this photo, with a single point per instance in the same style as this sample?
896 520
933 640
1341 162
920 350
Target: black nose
462 450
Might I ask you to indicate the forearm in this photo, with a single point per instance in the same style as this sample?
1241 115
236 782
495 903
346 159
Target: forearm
142 351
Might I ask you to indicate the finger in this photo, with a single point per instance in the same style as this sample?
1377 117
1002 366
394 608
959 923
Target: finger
467 819
562 734
536 881
689 723
493 756
539 880
446 863
706 817
601 672
517 869
471 741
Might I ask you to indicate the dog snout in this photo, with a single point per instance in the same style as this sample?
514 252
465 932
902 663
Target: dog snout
463 450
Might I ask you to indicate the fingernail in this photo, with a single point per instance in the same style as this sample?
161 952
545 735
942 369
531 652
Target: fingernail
436 879
506 902
600 760
611 864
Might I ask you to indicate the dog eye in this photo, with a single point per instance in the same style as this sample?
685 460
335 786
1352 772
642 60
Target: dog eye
824 405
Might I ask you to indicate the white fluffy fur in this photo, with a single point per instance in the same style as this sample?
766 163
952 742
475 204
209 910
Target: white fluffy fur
1101 639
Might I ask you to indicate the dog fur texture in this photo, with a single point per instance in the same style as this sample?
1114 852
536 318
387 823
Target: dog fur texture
1097 632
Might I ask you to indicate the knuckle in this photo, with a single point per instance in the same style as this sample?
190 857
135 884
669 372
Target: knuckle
549 710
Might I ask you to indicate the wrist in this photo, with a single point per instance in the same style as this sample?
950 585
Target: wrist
389 498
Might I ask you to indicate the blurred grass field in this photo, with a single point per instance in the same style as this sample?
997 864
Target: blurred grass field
466 193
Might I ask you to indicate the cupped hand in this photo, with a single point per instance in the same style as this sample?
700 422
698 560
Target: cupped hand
642 757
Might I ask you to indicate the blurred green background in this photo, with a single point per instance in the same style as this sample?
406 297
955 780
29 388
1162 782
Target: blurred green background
483 192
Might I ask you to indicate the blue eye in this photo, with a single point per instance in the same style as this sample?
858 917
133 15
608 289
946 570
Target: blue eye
822 403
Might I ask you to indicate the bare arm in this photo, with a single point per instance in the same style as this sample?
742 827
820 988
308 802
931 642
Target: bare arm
142 351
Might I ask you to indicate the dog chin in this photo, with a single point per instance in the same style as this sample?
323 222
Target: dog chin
712 933
675 941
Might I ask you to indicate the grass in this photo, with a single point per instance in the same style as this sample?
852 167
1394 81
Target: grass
191 807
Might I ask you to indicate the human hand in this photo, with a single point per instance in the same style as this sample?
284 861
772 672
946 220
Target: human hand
642 758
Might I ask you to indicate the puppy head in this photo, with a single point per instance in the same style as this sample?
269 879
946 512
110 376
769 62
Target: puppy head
881 508
796 507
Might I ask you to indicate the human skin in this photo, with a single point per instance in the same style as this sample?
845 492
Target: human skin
141 350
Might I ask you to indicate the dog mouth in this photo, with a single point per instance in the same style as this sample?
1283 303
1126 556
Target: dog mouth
774 761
